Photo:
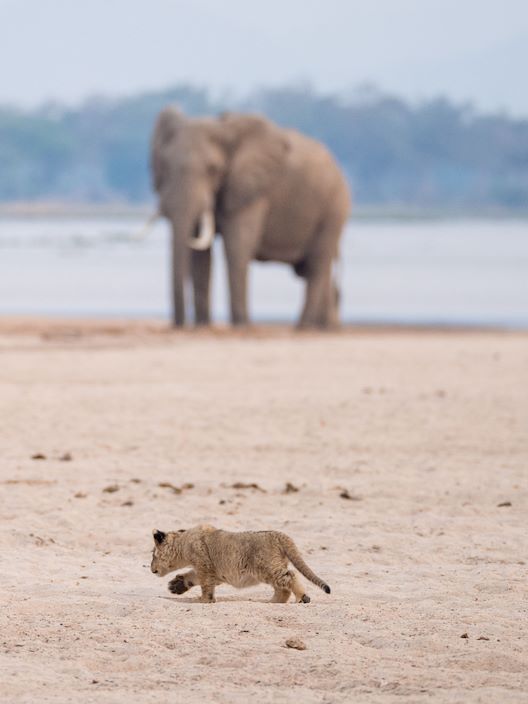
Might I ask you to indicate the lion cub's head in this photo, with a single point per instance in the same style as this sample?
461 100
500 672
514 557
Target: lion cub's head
168 554
164 551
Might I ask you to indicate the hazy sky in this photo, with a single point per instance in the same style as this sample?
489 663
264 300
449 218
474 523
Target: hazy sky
65 50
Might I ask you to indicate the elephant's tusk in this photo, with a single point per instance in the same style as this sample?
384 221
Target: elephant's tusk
206 233
143 232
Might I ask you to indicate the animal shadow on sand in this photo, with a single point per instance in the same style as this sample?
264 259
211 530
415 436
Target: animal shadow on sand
219 599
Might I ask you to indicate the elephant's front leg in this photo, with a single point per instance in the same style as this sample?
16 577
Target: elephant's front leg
241 237
201 276
237 270
180 269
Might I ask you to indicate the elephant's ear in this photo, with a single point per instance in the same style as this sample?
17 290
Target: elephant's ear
169 121
257 151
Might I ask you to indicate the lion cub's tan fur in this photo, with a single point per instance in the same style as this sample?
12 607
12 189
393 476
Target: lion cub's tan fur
239 559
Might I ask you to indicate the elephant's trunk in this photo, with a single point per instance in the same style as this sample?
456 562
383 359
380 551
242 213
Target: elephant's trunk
203 235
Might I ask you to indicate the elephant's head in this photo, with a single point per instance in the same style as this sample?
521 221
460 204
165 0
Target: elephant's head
206 169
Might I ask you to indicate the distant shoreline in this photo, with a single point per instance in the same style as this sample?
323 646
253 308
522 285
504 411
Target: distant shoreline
76 326
58 209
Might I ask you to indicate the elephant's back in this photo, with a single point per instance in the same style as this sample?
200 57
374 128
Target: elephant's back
312 174
311 188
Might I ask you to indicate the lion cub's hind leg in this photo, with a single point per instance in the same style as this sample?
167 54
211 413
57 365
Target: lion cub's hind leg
298 590
183 582
280 596
286 582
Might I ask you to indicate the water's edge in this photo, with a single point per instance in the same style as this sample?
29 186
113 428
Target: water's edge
462 273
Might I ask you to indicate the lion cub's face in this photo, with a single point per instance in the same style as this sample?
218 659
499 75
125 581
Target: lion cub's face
162 553
165 555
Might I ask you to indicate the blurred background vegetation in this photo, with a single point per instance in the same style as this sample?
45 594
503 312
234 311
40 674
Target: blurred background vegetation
432 155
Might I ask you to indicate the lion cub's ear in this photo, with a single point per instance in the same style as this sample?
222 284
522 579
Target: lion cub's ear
159 536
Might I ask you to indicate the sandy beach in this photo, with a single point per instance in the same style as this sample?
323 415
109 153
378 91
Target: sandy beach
406 456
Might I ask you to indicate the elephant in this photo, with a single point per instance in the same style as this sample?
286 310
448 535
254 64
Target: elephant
272 194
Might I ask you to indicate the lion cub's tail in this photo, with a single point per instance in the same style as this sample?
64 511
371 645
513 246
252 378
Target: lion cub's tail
294 556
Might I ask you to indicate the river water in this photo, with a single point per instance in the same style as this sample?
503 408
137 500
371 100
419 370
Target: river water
434 272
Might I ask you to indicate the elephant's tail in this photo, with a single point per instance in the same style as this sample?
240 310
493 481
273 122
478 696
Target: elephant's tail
294 556
337 278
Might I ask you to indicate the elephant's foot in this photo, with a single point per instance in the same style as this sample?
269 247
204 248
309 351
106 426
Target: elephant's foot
331 326
240 323
323 326
303 325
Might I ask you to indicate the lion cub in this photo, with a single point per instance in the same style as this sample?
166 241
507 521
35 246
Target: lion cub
239 559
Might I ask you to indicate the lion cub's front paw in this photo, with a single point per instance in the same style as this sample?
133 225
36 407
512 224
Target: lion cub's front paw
178 585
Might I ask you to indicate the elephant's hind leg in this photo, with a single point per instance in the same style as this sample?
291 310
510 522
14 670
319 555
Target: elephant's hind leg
317 308
322 296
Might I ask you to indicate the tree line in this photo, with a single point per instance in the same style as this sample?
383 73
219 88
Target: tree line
434 154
